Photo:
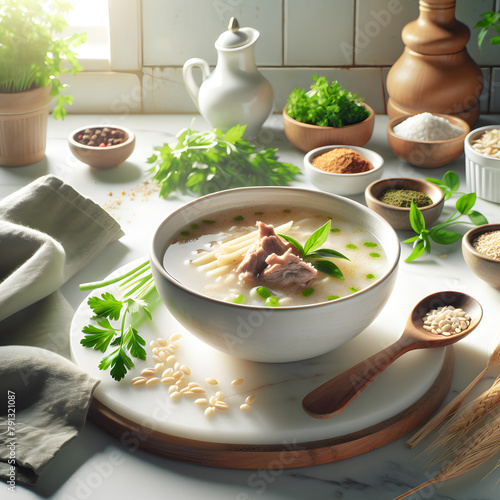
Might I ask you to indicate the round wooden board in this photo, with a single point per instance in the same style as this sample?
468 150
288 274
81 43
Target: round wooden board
290 454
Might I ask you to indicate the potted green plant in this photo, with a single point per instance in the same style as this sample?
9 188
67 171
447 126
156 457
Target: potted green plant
489 22
33 54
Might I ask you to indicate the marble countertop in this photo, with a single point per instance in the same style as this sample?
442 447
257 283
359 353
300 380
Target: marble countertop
98 466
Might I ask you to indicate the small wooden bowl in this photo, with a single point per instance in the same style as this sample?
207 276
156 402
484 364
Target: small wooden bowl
484 267
399 218
102 158
428 154
307 137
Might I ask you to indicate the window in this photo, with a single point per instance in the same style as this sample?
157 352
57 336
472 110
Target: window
91 17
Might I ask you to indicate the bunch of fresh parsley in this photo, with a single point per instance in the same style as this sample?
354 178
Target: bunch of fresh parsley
325 104
115 320
205 162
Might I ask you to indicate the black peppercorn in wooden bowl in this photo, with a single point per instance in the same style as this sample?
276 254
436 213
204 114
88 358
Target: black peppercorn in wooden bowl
102 146
399 217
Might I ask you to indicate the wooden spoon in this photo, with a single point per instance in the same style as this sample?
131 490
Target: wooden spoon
333 396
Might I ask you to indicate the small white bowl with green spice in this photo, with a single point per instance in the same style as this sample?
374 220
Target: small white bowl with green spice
275 332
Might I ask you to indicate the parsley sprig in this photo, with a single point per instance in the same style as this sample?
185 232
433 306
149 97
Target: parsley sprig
463 208
115 320
205 162
311 251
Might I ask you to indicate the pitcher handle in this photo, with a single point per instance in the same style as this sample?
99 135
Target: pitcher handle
187 73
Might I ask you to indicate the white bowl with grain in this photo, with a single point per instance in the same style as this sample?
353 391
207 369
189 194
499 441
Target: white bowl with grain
276 334
482 171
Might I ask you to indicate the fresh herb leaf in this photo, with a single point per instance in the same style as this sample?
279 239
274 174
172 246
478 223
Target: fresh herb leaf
106 306
119 362
311 251
97 338
444 237
450 184
139 296
317 238
465 203
490 21
135 343
477 218
329 268
417 220
205 162
295 243
327 253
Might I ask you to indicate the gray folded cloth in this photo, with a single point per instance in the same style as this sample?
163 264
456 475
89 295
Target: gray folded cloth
45 399
48 232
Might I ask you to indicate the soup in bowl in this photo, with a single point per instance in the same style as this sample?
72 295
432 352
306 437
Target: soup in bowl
274 274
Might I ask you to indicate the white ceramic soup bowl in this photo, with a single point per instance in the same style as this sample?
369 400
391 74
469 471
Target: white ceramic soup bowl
274 334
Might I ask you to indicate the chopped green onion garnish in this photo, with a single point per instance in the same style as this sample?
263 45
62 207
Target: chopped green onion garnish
351 246
185 233
307 292
208 222
353 289
370 276
375 255
332 297
334 230
240 299
264 292
272 301
369 244
239 218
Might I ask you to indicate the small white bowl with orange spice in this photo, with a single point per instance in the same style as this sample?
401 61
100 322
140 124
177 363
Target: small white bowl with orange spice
342 169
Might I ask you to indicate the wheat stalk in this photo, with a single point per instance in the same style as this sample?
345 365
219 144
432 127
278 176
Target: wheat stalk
453 405
483 445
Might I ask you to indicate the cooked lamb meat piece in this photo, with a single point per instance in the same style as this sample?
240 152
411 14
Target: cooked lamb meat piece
268 243
288 270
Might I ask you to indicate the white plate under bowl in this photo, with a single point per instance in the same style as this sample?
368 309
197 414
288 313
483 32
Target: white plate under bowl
276 415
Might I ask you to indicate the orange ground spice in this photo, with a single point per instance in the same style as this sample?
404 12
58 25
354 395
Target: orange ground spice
342 161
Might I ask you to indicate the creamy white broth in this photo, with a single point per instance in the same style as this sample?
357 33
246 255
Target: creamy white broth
367 259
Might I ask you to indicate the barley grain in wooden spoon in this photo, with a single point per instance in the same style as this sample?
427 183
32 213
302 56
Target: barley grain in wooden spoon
453 405
333 396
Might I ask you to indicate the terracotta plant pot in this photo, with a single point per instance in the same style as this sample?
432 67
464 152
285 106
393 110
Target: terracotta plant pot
307 137
23 126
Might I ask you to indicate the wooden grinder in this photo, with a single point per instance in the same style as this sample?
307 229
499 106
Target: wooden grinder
435 72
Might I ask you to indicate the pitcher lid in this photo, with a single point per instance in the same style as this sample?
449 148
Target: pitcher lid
233 37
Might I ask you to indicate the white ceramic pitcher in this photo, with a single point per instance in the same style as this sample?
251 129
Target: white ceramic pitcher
235 92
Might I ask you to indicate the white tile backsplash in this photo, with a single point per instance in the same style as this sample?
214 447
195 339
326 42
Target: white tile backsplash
312 39
353 41
176 30
378 30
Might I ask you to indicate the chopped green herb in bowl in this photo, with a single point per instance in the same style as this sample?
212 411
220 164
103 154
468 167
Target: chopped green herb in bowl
326 114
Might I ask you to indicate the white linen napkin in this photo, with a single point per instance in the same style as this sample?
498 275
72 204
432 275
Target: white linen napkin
48 232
